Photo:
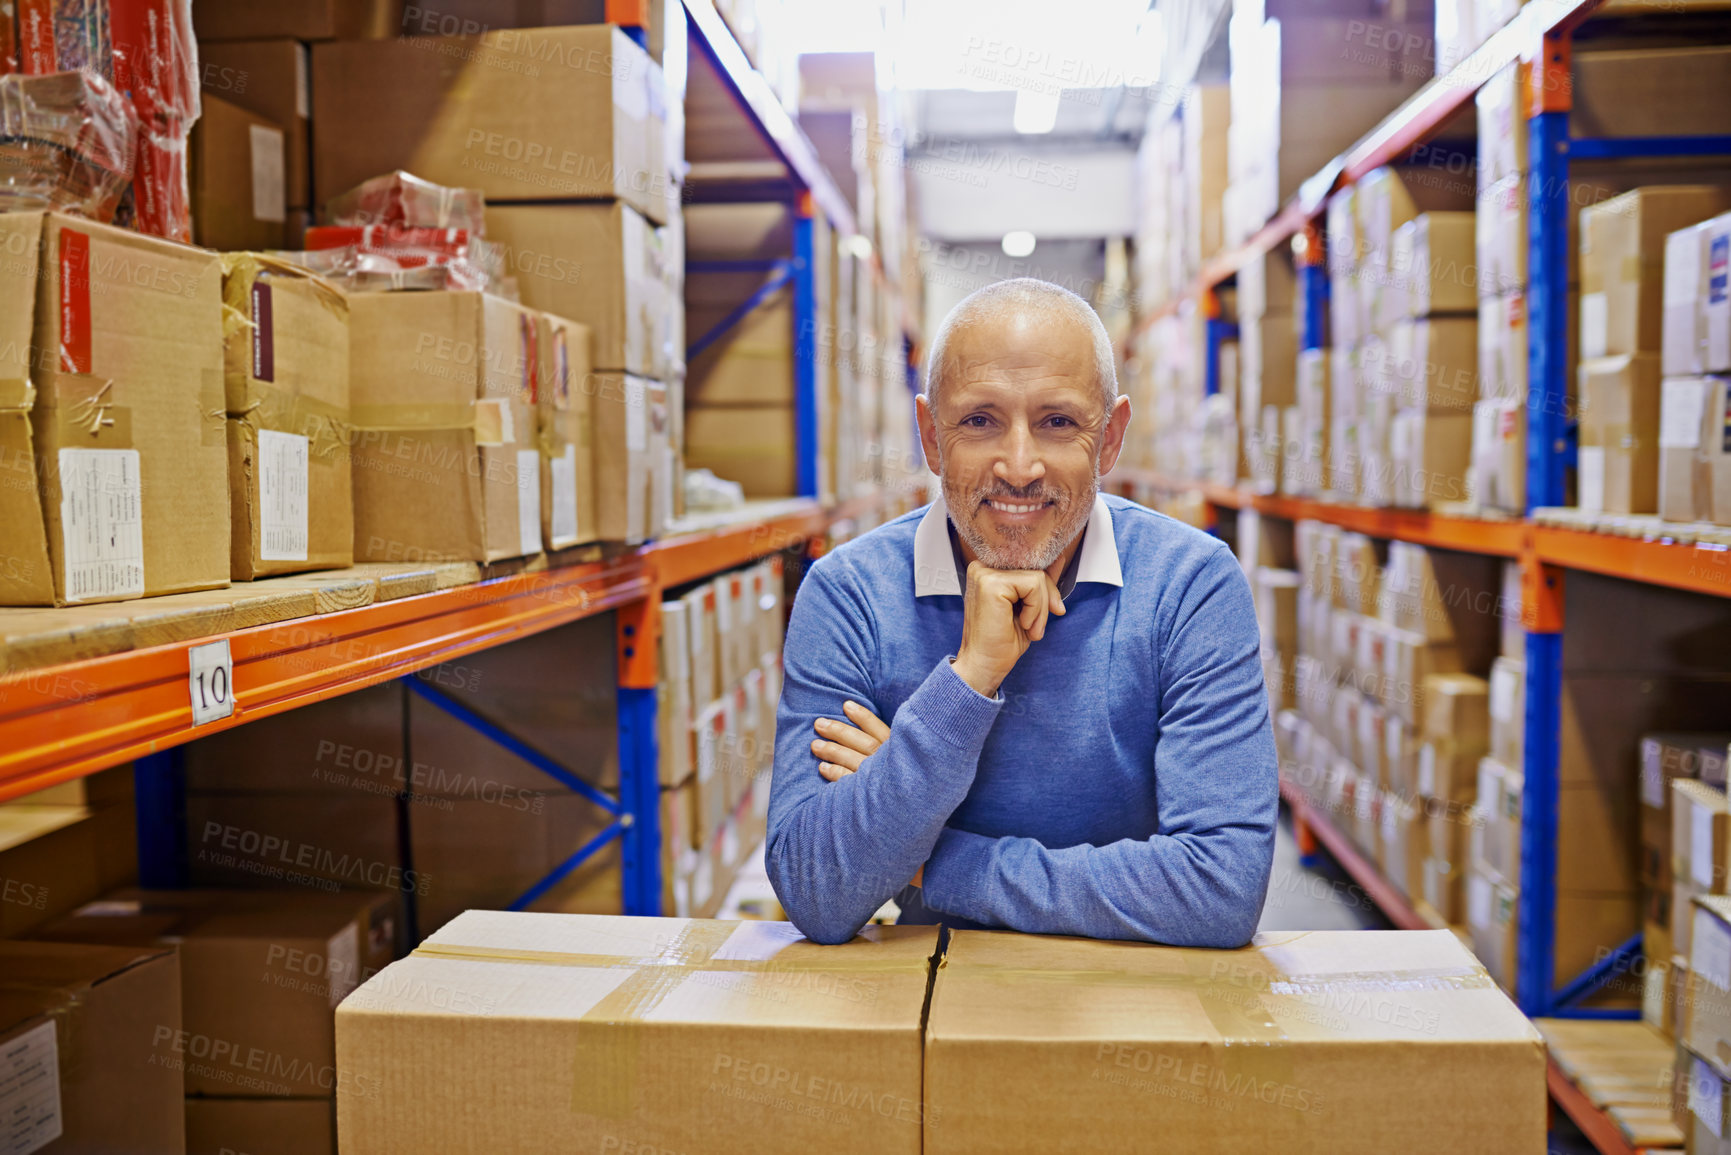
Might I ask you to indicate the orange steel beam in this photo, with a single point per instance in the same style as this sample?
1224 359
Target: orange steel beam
690 556
1704 569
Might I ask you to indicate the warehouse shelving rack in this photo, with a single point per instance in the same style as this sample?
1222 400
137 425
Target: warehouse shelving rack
75 718
1538 39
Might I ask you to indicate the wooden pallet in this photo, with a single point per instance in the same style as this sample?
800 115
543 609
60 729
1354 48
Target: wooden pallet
1624 1069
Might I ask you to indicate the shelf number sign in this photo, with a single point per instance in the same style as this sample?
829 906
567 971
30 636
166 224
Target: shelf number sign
211 674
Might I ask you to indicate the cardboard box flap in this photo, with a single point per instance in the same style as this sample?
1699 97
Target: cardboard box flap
146 916
67 967
620 970
1267 994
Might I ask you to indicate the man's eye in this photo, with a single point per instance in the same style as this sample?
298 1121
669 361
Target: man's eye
974 421
1058 422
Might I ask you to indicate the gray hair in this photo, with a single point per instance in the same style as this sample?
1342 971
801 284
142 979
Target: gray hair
1003 298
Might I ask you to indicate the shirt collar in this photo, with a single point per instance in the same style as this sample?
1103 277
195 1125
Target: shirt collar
935 570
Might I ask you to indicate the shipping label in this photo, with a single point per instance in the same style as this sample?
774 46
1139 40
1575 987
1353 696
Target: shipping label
563 514
282 496
269 197
101 523
263 333
529 500
30 1091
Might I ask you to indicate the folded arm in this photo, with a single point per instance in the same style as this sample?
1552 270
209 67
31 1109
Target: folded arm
837 851
1202 879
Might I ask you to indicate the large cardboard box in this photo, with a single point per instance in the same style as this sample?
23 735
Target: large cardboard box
1622 245
1683 301
566 436
327 841
632 469
239 198
603 265
533 115
442 400
260 975
1691 446
269 78
1619 438
1707 1029
750 444
1699 825
286 380
564 1030
111 414
83 1031
1651 92
261 1126
1431 266
1272 1045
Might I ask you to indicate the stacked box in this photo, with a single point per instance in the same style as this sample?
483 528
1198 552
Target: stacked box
1267 363
565 432
1694 482
1668 756
63 846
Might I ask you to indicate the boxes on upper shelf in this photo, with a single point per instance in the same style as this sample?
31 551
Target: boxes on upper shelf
633 470
1622 249
301 20
565 420
111 415
269 78
1618 464
239 199
1431 266
1695 332
533 115
286 377
1694 458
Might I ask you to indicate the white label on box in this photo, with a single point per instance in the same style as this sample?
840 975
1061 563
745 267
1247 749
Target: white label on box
730 843
343 962
282 496
1680 408
636 416
1701 857
1427 770
303 98
1502 693
529 500
1706 1096
210 678
563 470
1710 950
101 523
1478 901
1595 314
702 883
1652 782
30 1091
1591 473
269 199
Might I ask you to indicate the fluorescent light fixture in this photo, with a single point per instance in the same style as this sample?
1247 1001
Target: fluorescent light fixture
1019 243
1036 112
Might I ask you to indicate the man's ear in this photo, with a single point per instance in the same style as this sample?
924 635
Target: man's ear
928 424
1113 442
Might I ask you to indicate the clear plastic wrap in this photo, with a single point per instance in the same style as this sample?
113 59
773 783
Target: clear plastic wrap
146 50
68 141
404 200
372 251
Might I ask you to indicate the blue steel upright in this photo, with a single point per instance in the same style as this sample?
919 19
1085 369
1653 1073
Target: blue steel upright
805 337
640 792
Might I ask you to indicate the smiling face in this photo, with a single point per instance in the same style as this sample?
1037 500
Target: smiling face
1020 434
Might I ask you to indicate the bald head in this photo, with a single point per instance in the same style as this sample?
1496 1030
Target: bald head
1023 310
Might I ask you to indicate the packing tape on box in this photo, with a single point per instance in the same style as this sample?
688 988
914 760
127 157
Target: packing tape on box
241 270
324 425
414 418
84 414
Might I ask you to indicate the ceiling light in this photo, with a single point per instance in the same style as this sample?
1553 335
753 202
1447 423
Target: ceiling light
1036 112
1019 243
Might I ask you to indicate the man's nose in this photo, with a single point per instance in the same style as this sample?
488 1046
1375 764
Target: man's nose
1019 464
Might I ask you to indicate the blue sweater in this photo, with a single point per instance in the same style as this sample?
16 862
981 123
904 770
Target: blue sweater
1122 785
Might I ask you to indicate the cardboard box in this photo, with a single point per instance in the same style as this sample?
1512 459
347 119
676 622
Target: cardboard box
632 428
1666 757
48 863
477 854
536 115
750 444
1435 363
1443 889
602 265
1707 1031
1690 417
260 972
113 425
1618 470
1650 92
269 78
295 19
1431 457
1683 301
1708 1103
1267 285
239 199
261 1126
1700 823
1622 250
286 380
445 463
357 737
83 1030
1432 266
1508 712
347 840
1499 467
565 423
748 997
1232 1063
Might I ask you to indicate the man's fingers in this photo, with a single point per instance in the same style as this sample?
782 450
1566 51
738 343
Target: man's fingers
850 736
867 721
1054 599
836 752
832 772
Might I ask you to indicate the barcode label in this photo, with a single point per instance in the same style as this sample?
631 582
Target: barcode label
282 496
563 513
101 523
30 1091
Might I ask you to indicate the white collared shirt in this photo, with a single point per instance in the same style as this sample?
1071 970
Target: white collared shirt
935 565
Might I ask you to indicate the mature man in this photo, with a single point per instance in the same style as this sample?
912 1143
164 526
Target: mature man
1080 741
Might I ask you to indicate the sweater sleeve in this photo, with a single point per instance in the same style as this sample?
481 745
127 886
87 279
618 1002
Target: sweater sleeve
1202 878
837 851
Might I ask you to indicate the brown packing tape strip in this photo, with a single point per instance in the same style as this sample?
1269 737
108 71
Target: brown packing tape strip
325 426
62 1012
213 403
82 413
240 270
413 418
17 393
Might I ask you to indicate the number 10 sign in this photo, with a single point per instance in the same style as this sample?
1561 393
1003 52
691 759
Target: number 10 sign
211 674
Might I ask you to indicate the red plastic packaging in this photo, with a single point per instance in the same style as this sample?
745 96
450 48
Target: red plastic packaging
68 141
406 201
